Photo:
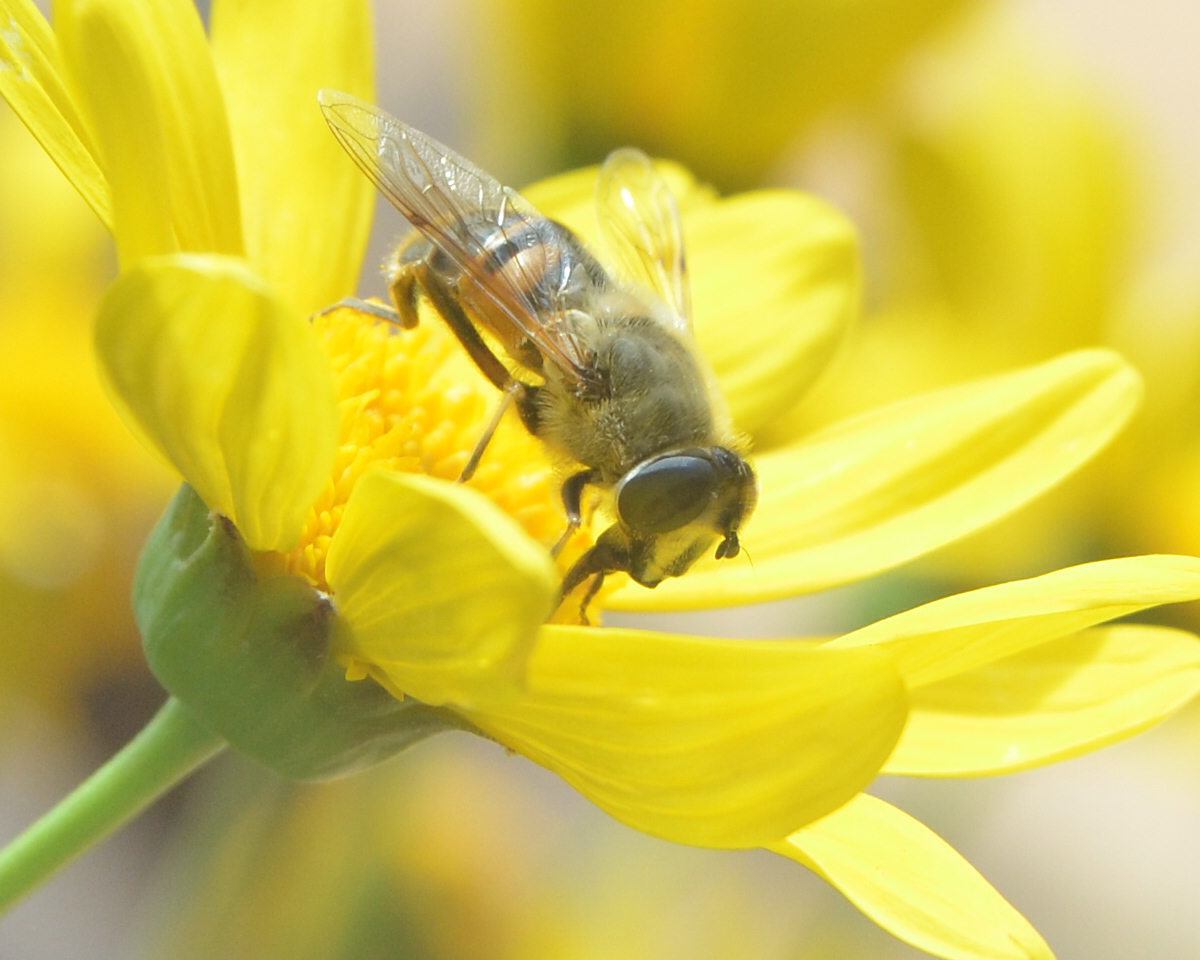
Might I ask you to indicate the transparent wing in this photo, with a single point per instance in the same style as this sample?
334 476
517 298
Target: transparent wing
463 211
639 221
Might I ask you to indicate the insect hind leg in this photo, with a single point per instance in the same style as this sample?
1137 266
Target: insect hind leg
448 307
417 277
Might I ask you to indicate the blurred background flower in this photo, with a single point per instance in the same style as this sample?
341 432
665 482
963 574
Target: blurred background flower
724 87
1023 173
77 493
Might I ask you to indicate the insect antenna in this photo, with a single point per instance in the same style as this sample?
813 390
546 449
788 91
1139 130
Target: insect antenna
748 557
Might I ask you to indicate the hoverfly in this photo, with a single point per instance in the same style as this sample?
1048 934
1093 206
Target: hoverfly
608 373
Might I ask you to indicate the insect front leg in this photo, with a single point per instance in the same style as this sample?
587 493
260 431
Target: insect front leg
572 498
609 554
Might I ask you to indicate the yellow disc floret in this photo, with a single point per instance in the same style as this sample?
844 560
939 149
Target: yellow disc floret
412 401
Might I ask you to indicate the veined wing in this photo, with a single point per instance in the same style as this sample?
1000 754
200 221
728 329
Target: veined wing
467 214
639 220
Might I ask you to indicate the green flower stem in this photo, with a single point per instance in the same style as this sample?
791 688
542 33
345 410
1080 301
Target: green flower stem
167 750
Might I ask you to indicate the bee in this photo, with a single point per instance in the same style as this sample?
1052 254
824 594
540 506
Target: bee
607 373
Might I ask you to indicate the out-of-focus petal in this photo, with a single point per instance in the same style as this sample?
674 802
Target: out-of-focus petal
1048 217
1056 701
306 208
969 630
736 84
895 483
702 741
144 78
31 80
442 592
776 286
913 884
227 384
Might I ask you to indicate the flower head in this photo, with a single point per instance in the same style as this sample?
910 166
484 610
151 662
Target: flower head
326 448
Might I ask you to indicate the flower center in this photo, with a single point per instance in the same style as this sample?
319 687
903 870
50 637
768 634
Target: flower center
412 401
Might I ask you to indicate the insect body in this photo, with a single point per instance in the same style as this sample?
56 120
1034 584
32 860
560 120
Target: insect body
608 374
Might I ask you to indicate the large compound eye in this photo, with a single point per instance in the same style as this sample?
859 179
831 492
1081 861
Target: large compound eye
666 493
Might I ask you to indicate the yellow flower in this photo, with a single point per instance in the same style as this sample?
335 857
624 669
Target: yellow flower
328 444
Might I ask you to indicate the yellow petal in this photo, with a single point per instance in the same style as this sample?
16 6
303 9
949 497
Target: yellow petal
890 485
306 208
708 742
225 383
776 285
969 630
1056 701
31 80
913 884
147 88
442 592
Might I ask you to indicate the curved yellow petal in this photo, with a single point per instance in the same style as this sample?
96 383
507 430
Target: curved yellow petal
882 488
306 208
146 84
227 384
708 742
913 884
968 630
776 283
441 591
31 80
1056 701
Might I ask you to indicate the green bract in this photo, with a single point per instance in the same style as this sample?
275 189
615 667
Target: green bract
252 656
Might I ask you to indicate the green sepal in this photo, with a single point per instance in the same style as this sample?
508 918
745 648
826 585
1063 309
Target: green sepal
250 656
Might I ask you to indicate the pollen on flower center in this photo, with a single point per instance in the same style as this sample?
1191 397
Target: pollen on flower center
412 401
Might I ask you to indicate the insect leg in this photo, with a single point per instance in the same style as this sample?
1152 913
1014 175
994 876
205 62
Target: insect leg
403 271
382 311
506 399
404 288
593 589
462 327
477 349
608 555
572 495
